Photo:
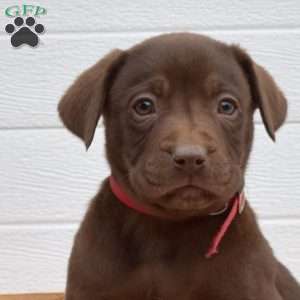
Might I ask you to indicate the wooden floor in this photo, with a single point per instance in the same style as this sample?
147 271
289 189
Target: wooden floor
33 297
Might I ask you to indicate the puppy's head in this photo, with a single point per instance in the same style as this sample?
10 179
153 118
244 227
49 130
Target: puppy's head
178 111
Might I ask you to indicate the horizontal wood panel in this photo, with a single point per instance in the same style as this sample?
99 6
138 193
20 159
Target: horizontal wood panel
47 176
34 258
32 297
33 80
135 15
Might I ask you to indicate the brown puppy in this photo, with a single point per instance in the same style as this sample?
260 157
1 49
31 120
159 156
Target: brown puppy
178 113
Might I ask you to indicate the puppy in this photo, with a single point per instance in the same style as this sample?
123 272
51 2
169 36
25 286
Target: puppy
171 221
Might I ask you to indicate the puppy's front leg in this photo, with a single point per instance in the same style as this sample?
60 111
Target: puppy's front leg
79 289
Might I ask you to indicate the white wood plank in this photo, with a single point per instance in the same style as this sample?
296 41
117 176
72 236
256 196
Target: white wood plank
284 238
34 259
47 176
53 179
135 15
33 80
273 177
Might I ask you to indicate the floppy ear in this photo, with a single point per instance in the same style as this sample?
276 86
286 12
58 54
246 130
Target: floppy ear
82 105
266 94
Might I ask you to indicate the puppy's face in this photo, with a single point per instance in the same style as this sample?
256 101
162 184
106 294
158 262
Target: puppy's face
178 113
183 110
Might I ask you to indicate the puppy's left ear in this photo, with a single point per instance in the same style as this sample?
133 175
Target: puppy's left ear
82 105
266 94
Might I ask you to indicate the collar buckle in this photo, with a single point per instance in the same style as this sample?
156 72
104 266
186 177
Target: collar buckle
242 202
219 212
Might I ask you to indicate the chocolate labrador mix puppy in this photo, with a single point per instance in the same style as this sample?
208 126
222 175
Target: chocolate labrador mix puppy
171 221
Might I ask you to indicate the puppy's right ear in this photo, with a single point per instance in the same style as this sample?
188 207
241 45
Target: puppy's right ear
82 105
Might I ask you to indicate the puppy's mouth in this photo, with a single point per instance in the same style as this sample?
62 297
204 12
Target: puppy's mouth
186 187
185 198
185 195
189 192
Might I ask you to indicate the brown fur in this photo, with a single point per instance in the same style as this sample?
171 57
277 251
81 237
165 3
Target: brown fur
121 254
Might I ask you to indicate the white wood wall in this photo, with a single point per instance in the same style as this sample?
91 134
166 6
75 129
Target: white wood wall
46 176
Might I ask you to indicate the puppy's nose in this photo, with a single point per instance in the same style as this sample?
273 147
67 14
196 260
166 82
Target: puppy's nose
189 157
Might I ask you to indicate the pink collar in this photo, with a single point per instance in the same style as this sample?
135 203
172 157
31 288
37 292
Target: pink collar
237 204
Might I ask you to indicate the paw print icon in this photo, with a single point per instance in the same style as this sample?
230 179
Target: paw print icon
24 33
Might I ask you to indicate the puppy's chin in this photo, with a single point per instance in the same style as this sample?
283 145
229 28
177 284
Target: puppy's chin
181 197
186 199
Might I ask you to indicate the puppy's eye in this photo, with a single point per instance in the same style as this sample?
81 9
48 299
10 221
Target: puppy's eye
144 106
227 106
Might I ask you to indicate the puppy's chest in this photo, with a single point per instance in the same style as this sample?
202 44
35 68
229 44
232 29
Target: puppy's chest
181 273
191 281
172 265
155 270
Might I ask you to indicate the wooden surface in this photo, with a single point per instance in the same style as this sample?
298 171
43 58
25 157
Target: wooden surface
32 297
47 177
34 102
113 15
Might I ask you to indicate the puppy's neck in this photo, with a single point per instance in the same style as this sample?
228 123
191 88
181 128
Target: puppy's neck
148 232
